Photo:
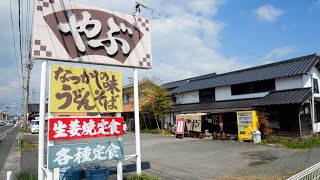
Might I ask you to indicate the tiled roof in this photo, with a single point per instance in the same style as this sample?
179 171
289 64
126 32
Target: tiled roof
291 67
245 103
294 96
175 84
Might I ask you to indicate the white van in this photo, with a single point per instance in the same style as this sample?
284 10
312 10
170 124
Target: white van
34 126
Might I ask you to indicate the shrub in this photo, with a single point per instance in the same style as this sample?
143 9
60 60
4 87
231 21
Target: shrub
26 176
294 143
264 124
142 176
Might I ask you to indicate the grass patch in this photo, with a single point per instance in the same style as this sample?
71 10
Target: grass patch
28 145
142 176
26 176
294 143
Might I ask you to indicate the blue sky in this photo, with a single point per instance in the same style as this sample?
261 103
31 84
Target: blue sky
235 34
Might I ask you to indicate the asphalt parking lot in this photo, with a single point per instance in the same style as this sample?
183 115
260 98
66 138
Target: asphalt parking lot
190 158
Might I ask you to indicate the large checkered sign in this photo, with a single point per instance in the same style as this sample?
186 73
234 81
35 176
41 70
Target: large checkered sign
68 31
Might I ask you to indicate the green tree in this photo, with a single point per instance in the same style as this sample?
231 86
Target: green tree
154 101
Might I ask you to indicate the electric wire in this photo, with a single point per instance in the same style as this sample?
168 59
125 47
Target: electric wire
26 29
14 45
21 57
200 31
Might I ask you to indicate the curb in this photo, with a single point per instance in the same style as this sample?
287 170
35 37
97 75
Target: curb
13 161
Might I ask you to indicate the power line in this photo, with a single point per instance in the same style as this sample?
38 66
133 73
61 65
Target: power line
21 59
14 43
138 8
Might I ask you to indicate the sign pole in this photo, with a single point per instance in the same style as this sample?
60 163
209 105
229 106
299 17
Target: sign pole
42 110
136 117
50 172
119 162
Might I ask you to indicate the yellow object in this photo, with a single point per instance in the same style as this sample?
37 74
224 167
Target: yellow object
75 89
247 123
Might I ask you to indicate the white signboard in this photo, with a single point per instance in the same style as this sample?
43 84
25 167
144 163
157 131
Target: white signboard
69 31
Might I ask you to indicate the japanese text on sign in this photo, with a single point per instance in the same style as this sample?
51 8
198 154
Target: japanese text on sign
74 32
180 126
85 90
85 153
73 128
77 27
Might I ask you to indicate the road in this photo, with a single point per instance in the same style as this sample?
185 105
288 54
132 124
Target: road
3 129
188 158
6 143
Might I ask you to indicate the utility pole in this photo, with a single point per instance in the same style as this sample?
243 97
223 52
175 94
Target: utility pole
26 92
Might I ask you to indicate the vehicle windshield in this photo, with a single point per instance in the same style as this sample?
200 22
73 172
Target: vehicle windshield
34 122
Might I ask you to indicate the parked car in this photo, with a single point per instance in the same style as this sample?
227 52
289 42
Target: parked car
124 127
10 123
1 123
34 126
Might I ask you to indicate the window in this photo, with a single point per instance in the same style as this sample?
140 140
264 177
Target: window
126 98
241 89
206 95
253 87
315 85
263 86
317 107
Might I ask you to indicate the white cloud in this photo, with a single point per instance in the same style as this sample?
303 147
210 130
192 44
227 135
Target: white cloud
268 13
178 51
278 53
205 7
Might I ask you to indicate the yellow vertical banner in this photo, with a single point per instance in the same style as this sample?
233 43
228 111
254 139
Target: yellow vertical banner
74 89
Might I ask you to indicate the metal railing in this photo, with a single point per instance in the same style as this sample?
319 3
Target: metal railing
312 173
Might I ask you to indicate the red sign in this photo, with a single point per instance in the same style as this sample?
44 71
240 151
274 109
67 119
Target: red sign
180 126
74 128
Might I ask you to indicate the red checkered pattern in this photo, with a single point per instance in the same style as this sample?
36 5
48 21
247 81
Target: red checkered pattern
44 4
40 49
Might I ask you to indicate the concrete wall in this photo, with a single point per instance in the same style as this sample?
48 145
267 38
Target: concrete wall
289 83
187 97
224 93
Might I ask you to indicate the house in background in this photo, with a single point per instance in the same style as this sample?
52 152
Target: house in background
33 110
283 90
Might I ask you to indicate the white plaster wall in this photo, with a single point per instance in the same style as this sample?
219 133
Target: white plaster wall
316 127
307 80
187 97
289 83
167 118
224 93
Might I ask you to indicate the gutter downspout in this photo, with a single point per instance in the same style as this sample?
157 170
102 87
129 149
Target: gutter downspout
312 104
299 114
